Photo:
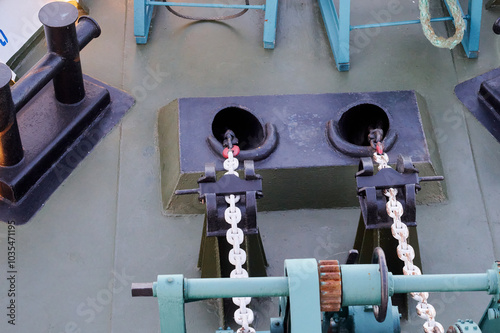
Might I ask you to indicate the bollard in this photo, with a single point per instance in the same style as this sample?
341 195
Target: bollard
62 61
60 33
11 149
47 129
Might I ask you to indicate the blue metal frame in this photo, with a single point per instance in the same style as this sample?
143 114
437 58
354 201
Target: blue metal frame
338 28
143 12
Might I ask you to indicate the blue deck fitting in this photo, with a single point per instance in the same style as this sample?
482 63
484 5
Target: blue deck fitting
338 28
142 20
143 12
270 19
471 35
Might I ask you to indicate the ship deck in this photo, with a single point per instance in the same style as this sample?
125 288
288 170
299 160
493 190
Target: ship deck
104 229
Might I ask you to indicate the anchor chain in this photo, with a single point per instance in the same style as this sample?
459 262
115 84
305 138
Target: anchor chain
401 233
237 256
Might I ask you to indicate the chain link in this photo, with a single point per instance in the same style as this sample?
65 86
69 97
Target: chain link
406 252
382 160
237 256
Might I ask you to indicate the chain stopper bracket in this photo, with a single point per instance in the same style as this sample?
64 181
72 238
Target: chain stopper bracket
370 188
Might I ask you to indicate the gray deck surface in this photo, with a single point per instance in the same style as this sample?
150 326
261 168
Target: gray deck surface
103 228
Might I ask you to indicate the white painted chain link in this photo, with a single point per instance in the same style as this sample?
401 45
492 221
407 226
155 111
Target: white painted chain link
381 160
406 252
237 256
231 164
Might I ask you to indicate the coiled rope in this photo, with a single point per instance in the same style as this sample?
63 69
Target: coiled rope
425 20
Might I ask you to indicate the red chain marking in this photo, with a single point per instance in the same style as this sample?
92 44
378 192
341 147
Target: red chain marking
380 150
235 149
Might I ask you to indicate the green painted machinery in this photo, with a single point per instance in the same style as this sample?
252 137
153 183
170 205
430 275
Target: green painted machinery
352 298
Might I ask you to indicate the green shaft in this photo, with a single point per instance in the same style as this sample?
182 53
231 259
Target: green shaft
361 284
438 283
196 289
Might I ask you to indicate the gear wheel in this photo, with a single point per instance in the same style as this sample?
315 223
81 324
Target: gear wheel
330 281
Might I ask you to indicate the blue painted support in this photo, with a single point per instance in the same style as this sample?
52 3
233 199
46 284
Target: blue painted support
142 20
170 292
472 33
270 21
304 300
490 322
143 11
337 28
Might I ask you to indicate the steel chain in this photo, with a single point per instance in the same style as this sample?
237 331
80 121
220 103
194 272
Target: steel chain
237 256
406 252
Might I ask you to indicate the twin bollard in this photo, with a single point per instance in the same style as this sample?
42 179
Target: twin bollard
47 129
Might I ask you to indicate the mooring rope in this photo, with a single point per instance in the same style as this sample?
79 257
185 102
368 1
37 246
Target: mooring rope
425 20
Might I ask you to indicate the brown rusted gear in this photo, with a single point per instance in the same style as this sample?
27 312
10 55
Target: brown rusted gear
330 285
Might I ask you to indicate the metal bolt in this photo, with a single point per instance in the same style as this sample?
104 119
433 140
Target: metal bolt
170 280
493 314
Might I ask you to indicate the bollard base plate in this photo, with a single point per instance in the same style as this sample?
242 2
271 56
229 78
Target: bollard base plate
481 96
56 138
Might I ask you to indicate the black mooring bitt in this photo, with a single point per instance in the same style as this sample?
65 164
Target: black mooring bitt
47 129
11 150
371 191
